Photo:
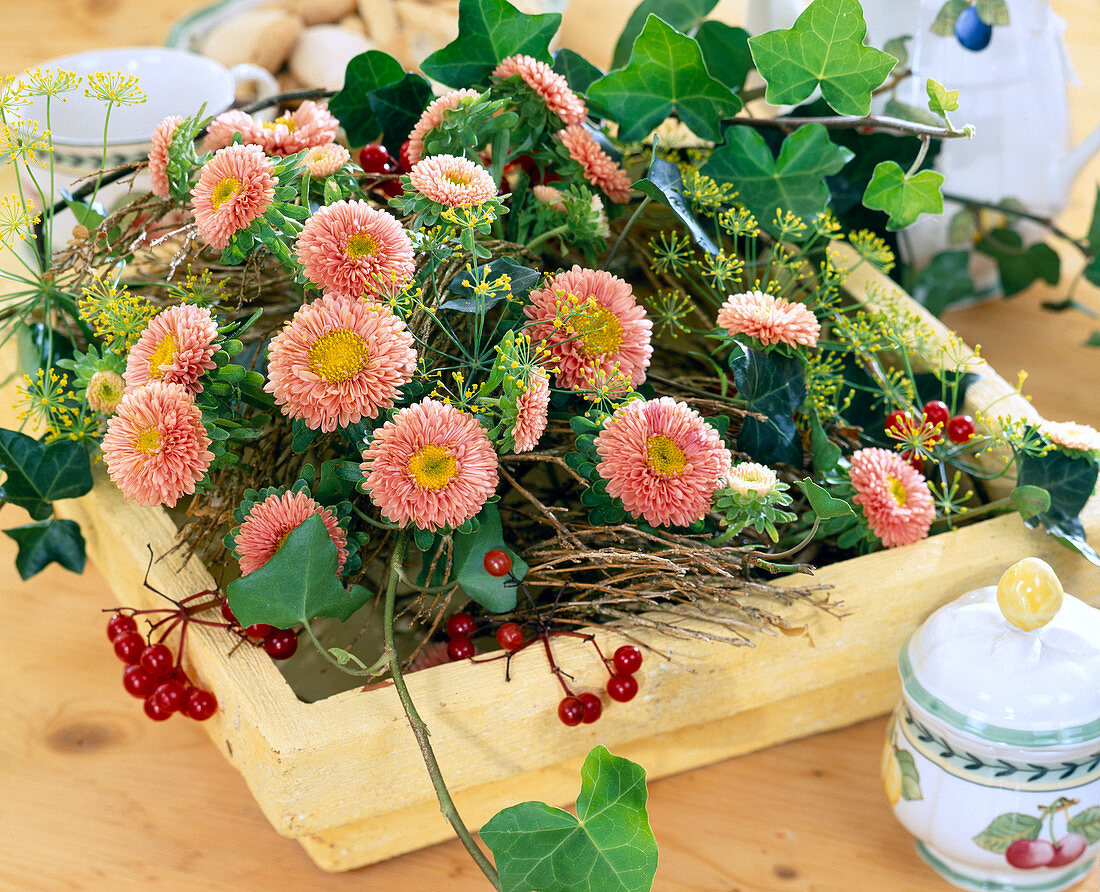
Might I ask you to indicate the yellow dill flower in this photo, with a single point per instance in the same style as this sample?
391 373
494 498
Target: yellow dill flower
668 308
739 221
117 317
51 82
722 269
672 252
873 249
826 224
704 194
22 140
115 88
789 225
17 218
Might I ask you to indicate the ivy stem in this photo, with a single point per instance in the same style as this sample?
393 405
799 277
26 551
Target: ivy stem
853 122
925 142
419 729
626 229
375 668
546 236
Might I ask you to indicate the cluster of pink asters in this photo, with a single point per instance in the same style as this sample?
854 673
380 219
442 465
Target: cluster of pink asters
894 497
158 155
433 116
307 126
551 86
531 409
769 319
452 181
177 347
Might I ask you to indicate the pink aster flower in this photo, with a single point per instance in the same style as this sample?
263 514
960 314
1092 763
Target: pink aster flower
589 321
155 448
158 155
433 116
234 188
338 360
351 248
221 130
308 126
599 169
177 346
551 86
268 524
324 161
549 195
748 476
1071 435
662 460
894 497
769 319
531 412
452 181
432 465
105 391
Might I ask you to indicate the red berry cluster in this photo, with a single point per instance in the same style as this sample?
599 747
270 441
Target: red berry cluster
374 158
621 686
936 420
280 644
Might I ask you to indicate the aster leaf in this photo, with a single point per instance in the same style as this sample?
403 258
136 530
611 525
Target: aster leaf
46 542
664 183
39 472
824 504
665 74
683 15
607 847
824 48
489 31
495 593
366 73
903 197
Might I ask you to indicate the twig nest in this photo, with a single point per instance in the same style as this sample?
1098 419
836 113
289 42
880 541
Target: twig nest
322 54
324 12
263 37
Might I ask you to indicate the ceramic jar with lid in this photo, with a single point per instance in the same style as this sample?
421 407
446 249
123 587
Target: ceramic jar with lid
992 759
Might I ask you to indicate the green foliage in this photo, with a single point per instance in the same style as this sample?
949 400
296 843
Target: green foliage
726 52
665 74
397 107
824 505
944 24
761 512
45 542
603 508
683 15
910 777
774 385
823 48
366 73
37 473
664 183
940 99
607 847
1070 481
1019 266
903 197
993 12
1087 823
523 279
494 593
945 281
795 181
1030 501
578 72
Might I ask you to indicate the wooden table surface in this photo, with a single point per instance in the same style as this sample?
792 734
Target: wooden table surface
95 796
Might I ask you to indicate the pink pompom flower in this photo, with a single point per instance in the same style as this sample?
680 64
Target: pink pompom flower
264 530
338 360
224 127
324 161
235 187
551 86
155 447
599 169
893 496
531 410
769 319
662 459
548 195
351 248
452 181
433 116
307 126
158 155
432 466
588 320
177 346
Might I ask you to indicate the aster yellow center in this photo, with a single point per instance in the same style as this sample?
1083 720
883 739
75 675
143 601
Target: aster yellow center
226 189
147 441
338 356
459 177
163 354
284 120
897 490
361 245
597 328
281 541
432 467
664 456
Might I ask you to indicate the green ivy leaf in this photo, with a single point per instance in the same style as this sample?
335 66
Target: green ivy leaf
824 504
896 47
903 198
1070 483
664 183
726 52
940 99
1006 829
910 777
823 48
1030 501
494 593
683 15
578 72
45 542
944 25
774 385
825 453
1087 823
945 281
1019 266
665 74
397 107
298 582
489 31
365 73
795 181
1093 236
38 472
993 12
607 847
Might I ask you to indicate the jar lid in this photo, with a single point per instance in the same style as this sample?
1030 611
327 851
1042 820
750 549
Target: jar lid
972 668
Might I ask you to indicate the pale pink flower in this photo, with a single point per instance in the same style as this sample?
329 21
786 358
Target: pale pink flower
338 360
662 459
599 169
324 161
105 391
177 346
599 325
748 476
1071 435
531 408
268 524
235 187
220 131
549 195
551 86
155 447
452 181
158 155
308 126
432 466
769 319
351 248
433 116
894 497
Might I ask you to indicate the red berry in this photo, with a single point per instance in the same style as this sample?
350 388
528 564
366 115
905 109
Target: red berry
120 624
200 704
627 659
622 687
155 712
960 428
404 158
593 707
497 562
899 422
389 188
460 648
374 158
1029 853
914 461
461 625
137 681
128 647
259 630
936 412
228 614
571 711
281 644
157 660
510 636
170 695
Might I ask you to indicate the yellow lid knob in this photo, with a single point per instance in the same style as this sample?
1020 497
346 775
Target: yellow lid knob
1029 594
